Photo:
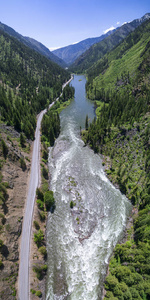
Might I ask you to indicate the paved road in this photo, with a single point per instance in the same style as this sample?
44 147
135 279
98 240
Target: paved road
26 231
23 280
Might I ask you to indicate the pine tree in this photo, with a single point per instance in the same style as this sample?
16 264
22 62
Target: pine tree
86 123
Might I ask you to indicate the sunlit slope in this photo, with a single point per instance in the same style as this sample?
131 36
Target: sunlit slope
97 51
123 66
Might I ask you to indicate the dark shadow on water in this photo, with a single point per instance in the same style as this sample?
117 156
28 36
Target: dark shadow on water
52 209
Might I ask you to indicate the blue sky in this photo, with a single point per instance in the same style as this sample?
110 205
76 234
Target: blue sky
58 23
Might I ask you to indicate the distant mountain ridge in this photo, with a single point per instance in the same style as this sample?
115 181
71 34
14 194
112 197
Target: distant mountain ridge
97 51
33 44
70 53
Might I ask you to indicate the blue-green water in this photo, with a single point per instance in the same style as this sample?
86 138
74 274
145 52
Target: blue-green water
80 240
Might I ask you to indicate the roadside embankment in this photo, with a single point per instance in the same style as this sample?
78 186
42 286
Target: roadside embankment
15 164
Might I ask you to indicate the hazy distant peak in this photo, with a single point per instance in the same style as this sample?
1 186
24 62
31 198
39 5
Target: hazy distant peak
70 53
146 16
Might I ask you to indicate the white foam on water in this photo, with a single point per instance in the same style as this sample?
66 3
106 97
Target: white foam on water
80 240
84 261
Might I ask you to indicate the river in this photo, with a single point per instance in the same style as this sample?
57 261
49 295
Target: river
81 239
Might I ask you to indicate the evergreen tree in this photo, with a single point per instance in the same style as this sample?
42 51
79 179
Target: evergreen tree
86 123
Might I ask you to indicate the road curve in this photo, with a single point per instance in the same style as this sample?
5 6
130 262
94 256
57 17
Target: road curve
23 280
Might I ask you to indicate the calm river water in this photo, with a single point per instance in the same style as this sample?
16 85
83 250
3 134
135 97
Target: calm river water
80 239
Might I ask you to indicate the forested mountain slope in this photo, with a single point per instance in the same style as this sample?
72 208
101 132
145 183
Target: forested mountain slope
70 53
123 67
29 82
33 44
121 133
97 51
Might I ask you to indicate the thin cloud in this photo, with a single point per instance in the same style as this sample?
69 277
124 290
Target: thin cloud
75 43
125 23
111 28
54 48
118 23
